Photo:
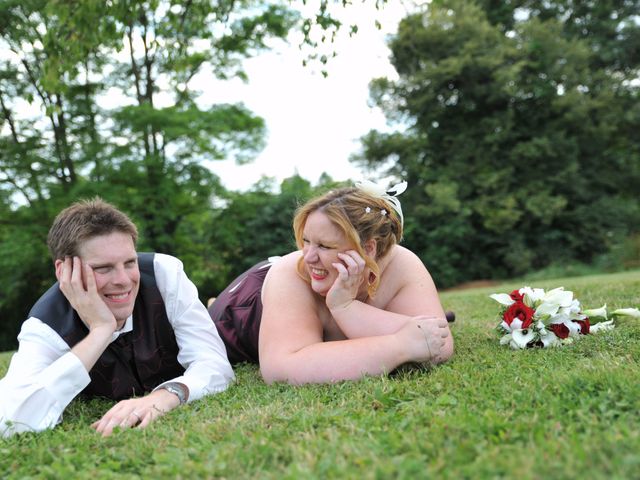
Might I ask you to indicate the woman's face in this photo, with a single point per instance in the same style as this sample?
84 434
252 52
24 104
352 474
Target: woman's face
322 241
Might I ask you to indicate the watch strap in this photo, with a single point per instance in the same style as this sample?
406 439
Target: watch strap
178 389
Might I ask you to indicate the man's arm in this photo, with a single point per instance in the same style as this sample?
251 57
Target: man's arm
201 350
201 353
43 378
45 375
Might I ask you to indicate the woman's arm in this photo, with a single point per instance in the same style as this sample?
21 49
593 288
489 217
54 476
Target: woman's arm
406 291
291 337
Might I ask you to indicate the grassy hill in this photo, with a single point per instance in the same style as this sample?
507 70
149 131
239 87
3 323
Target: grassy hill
491 412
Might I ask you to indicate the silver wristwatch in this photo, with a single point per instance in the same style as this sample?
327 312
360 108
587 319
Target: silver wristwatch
178 389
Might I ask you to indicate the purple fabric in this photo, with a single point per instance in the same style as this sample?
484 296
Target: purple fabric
237 312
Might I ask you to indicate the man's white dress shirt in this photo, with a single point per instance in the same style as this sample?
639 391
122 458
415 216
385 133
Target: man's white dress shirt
44 376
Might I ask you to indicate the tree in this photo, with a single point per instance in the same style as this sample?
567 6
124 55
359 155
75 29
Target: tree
98 98
517 143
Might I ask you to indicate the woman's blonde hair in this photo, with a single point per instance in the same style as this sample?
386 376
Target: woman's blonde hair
361 217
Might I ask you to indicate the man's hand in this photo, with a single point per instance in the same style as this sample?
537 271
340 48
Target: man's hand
82 293
78 284
136 412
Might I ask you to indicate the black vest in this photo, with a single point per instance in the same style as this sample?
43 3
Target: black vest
138 361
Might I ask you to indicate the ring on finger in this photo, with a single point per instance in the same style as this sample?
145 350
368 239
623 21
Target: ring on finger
135 414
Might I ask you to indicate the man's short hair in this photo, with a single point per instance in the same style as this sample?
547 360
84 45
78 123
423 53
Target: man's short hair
82 221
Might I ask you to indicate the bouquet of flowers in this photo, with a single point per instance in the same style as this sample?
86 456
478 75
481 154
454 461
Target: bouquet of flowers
531 317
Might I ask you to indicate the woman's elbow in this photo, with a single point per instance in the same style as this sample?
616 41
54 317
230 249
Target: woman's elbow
283 370
273 371
268 375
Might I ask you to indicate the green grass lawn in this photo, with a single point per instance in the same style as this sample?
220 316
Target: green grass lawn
571 412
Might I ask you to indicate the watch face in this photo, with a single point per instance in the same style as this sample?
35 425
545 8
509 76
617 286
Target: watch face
176 391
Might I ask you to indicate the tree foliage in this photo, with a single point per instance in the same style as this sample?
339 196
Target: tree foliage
518 132
100 98
518 140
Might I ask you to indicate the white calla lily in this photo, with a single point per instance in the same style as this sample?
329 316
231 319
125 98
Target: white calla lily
548 338
626 312
602 327
503 299
574 328
532 295
547 309
596 312
521 338
559 295
559 318
516 324
505 326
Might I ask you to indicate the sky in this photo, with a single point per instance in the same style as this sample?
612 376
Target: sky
313 122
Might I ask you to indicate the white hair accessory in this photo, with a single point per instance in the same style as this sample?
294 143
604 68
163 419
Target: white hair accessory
390 195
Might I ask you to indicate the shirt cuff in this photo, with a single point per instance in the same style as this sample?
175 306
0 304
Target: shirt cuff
198 389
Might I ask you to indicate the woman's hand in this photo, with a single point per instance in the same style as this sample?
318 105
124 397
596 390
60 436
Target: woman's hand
427 339
347 284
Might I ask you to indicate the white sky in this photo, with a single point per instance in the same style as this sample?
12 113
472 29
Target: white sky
313 122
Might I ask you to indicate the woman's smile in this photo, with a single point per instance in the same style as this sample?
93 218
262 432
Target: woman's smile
318 273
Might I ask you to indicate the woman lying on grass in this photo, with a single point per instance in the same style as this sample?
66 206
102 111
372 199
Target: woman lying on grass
350 302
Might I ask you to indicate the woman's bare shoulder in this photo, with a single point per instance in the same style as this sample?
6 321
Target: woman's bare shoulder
410 288
283 273
403 256
285 264
406 266
290 308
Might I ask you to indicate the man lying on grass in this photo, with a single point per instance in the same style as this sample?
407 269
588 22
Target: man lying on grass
117 324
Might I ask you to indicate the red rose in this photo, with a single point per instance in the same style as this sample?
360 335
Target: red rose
584 326
560 329
517 296
521 311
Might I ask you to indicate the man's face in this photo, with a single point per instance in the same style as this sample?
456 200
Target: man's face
114 261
